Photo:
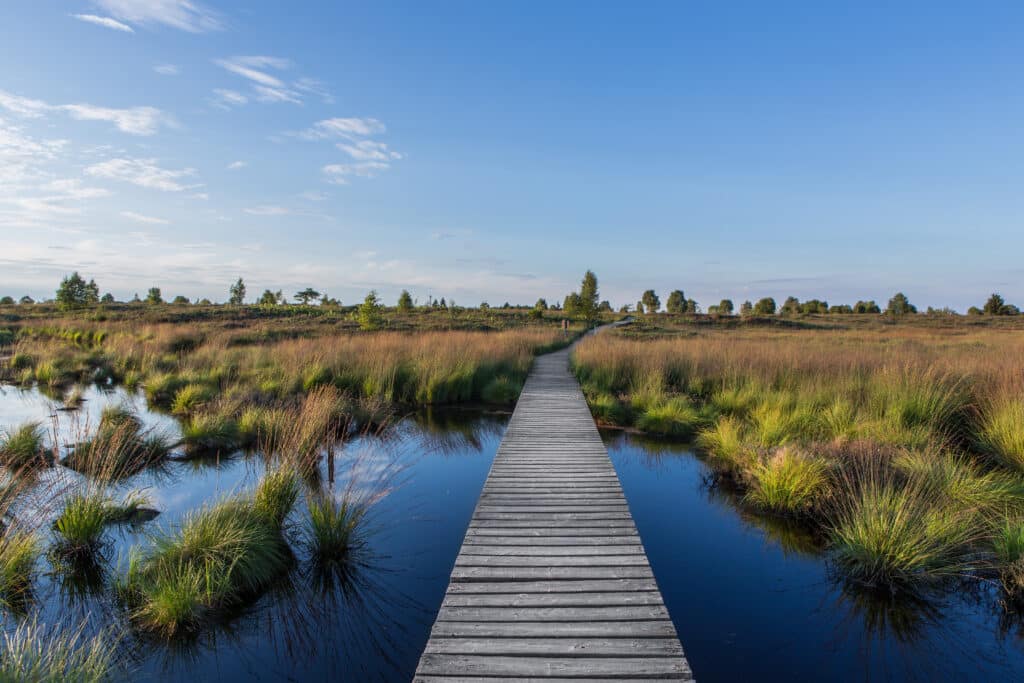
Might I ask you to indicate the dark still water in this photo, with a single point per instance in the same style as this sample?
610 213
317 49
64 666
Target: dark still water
751 599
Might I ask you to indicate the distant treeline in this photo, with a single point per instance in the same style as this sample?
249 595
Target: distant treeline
74 292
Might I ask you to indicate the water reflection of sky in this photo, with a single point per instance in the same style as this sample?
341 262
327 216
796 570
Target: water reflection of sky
368 622
752 597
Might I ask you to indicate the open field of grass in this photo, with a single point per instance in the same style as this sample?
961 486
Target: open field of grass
900 445
227 372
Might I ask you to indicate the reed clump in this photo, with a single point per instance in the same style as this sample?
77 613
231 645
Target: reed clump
902 448
218 557
22 447
120 447
45 653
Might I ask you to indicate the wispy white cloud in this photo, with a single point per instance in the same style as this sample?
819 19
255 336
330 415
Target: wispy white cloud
348 128
268 94
225 99
133 120
272 87
167 69
368 150
142 218
313 196
23 106
369 157
252 68
180 14
235 165
105 22
314 86
267 210
338 174
142 172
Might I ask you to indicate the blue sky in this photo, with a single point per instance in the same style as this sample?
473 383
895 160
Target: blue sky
494 151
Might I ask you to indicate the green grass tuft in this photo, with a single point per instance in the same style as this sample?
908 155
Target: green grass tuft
22 447
80 525
191 398
219 555
210 432
1001 433
333 529
788 483
894 534
18 553
275 495
502 390
674 417
45 654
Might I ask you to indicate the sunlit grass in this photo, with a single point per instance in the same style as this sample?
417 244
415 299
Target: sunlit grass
22 447
788 482
38 653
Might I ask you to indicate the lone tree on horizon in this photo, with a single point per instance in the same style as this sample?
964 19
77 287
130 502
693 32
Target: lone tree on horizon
996 305
587 308
900 305
765 306
153 296
405 302
307 295
651 301
369 313
75 292
237 293
676 302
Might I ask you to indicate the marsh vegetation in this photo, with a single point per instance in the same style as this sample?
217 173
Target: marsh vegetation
899 447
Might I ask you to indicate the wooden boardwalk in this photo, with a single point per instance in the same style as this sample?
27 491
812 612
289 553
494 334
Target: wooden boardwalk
552 581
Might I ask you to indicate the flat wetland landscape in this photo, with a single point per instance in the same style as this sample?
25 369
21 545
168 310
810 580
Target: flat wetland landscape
278 492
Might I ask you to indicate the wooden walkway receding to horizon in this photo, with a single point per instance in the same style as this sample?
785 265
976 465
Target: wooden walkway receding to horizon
552 581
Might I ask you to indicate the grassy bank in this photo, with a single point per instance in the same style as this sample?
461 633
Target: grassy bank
902 447
184 365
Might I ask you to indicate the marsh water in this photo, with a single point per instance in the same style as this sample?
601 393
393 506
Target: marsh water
750 597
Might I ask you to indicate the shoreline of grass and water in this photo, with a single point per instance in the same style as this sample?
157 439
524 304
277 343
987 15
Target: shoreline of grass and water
243 542
728 574
902 456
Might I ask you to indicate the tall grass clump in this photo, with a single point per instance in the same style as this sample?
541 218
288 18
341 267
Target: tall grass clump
672 417
218 557
897 532
22 447
502 390
210 432
1008 547
19 550
1001 433
788 482
726 446
333 528
121 447
80 525
36 653
191 398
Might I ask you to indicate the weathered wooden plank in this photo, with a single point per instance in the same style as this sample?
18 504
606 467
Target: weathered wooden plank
549 587
552 551
553 629
553 573
605 599
477 665
557 614
558 647
566 530
634 560
552 581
